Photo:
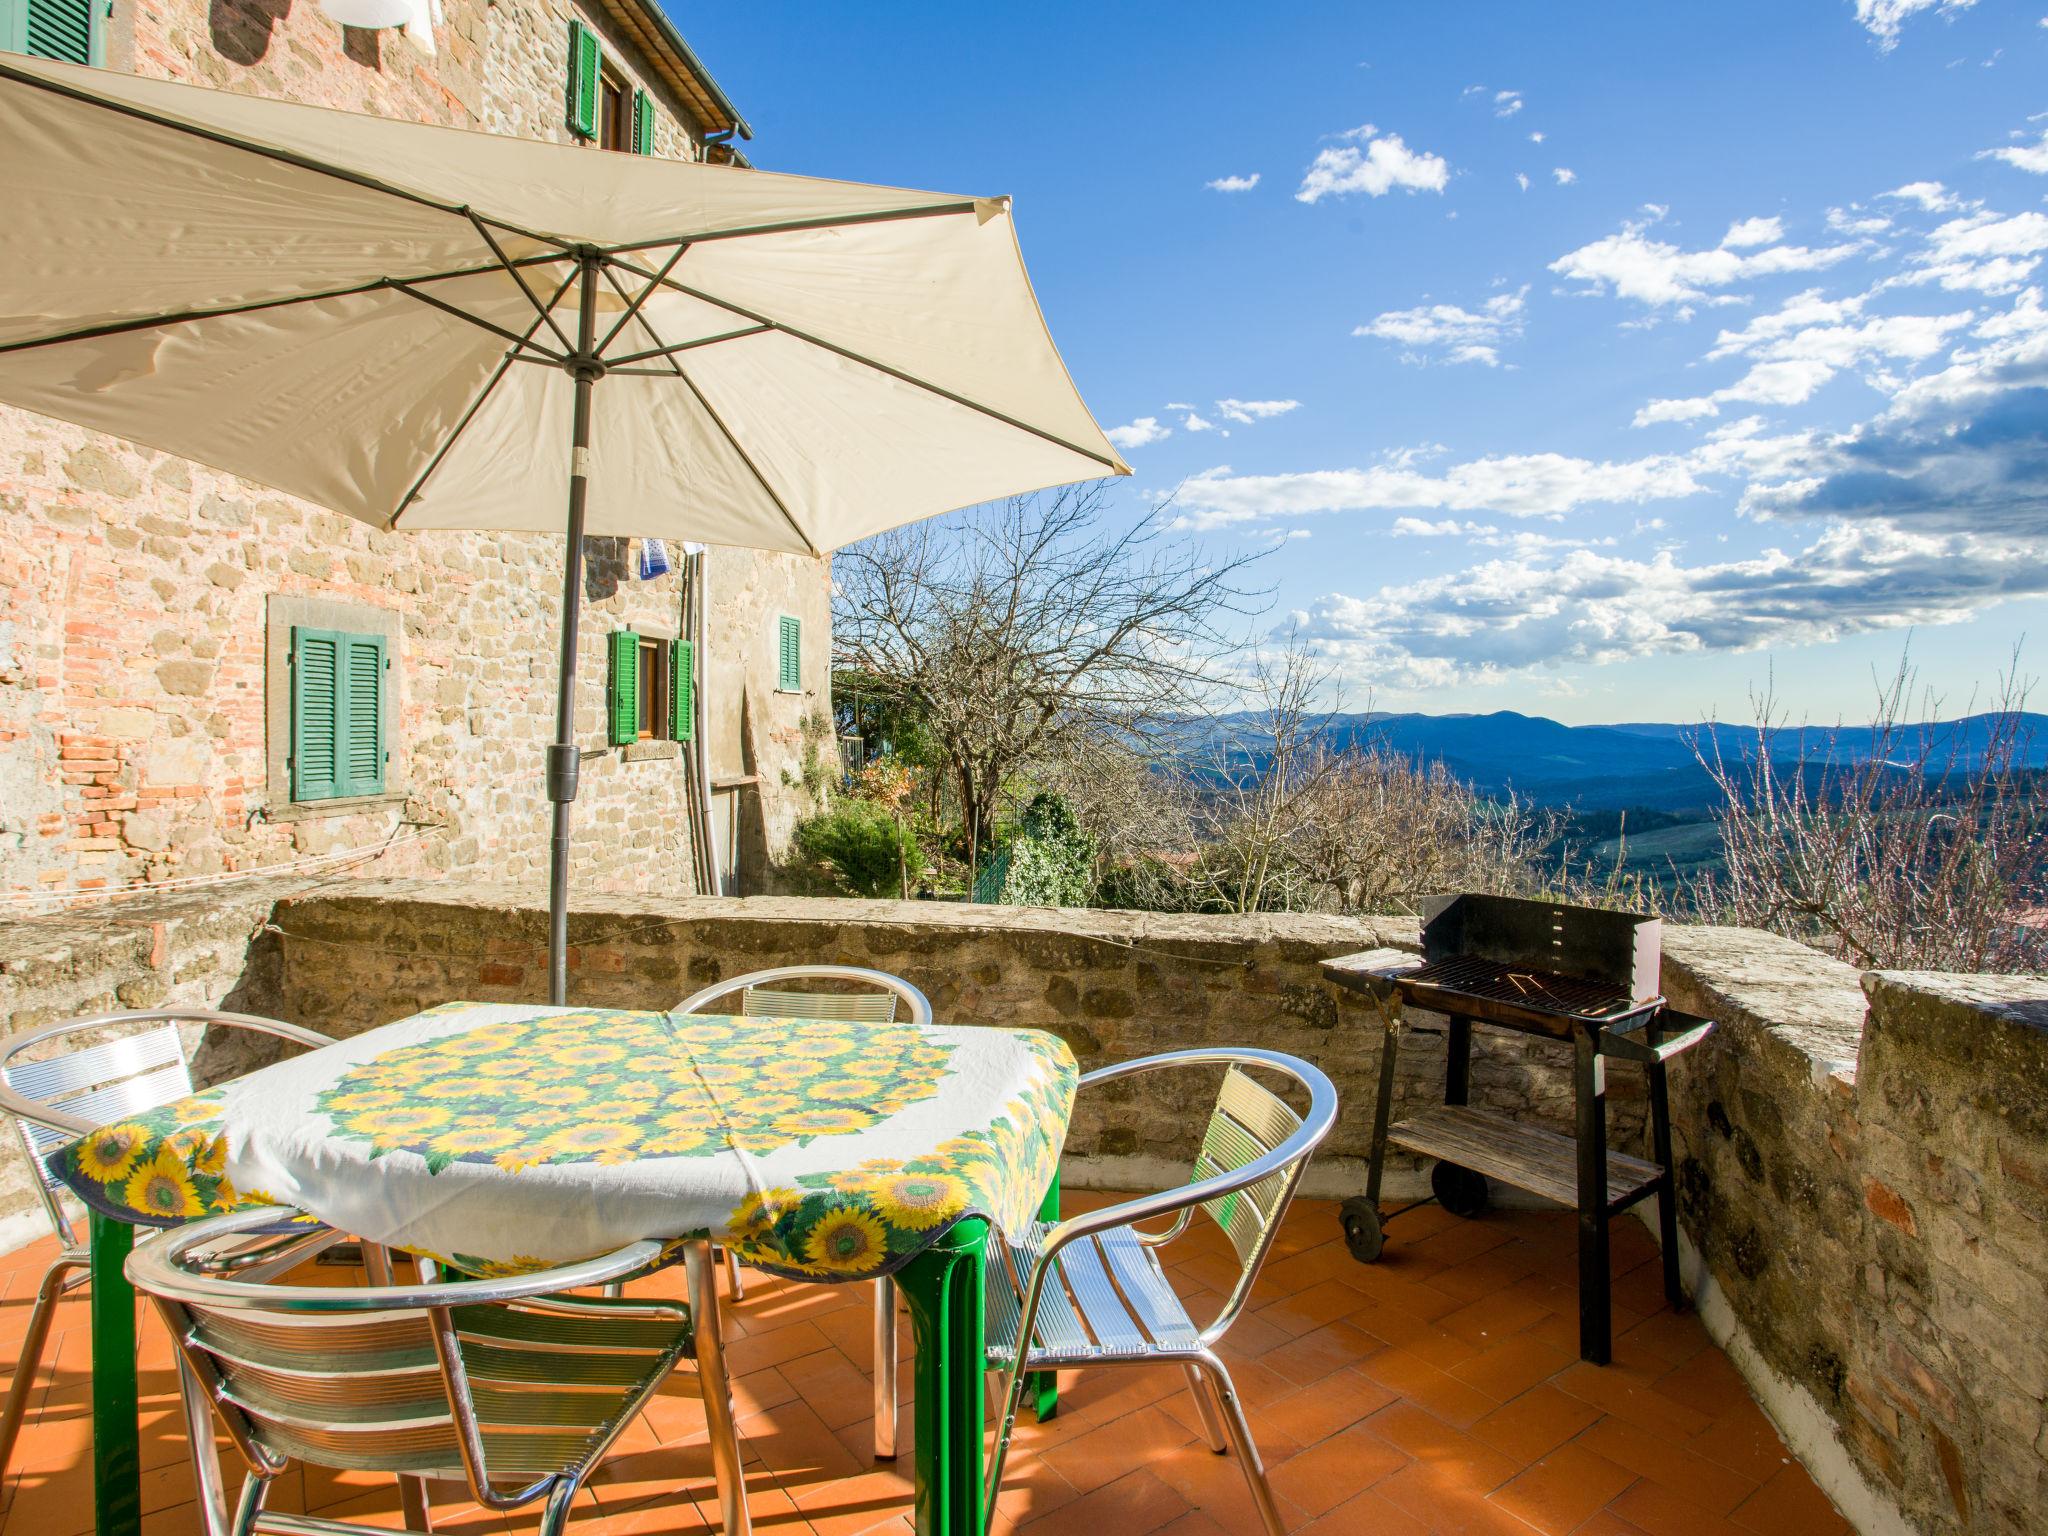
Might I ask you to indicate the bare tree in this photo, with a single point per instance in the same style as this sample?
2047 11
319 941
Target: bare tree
1925 852
1020 632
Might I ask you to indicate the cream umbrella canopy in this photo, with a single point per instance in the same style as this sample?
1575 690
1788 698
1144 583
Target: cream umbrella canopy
410 324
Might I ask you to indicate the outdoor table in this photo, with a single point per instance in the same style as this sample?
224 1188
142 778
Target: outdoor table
502 1138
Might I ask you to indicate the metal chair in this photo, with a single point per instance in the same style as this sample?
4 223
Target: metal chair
1090 1290
886 997
505 1383
59 1098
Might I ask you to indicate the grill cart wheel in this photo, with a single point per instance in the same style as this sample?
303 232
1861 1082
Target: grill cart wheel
1459 1190
1362 1233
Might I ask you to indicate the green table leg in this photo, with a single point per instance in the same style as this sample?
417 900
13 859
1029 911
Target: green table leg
1043 1388
116 1451
943 1289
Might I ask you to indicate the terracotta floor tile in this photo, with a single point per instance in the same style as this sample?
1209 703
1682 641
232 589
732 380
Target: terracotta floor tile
1331 1471
1564 1489
1660 1512
1744 1439
1216 1486
1710 1485
1106 1452
1315 1413
1423 1384
1790 1502
1324 1302
1535 1423
1446 1506
1367 1514
1493 1319
1608 1523
1134 1505
1448 1452
1611 1389
1512 1367
1320 1352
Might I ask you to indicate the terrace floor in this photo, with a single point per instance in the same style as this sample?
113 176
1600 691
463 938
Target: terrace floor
1437 1391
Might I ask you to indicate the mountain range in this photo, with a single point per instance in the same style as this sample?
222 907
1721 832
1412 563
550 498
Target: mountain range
1647 764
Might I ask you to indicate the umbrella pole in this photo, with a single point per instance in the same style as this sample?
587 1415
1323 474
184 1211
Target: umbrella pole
563 760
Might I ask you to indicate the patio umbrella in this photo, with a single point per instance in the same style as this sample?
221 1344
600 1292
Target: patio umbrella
411 324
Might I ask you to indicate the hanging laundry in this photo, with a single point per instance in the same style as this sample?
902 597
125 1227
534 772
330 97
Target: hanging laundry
654 559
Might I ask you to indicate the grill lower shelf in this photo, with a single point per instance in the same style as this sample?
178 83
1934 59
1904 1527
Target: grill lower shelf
1526 1156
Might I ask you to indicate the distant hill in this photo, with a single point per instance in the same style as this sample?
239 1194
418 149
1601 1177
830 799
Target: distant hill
1605 767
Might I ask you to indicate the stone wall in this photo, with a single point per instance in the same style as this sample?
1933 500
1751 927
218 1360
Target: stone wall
1863 1173
134 586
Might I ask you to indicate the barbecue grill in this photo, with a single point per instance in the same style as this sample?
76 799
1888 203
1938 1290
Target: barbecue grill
1569 973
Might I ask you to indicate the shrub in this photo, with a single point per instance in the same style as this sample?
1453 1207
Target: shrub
1052 858
859 848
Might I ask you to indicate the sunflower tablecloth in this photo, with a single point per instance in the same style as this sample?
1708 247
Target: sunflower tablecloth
504 1137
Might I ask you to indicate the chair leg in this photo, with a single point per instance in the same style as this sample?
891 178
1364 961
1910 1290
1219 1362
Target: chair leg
250 1509
31 1359
1241 1441
554 1514
412 1501
726 1462
885 1368
732 1270
1205 1405
213 1498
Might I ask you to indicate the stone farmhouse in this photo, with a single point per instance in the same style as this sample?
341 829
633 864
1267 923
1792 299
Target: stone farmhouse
154 613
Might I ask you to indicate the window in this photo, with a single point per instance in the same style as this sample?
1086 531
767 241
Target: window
651 689
337 702
66 30
586 67
789 658
614 115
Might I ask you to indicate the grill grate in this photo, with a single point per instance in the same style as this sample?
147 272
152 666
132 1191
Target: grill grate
1535 991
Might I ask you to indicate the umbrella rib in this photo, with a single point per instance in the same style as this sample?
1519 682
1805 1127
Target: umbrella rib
789 226
254 306
263 151
519 277
880 367
645 324
514 337
512 355
754 469
619 365
633 305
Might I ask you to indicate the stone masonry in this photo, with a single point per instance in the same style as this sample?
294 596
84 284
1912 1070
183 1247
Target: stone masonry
134 586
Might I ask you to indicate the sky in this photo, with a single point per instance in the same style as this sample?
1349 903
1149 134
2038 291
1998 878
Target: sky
1608 360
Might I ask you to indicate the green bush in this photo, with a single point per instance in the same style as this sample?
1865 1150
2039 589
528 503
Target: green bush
859 848
1052 857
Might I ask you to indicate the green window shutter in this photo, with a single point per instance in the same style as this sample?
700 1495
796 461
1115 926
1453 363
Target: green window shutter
316 714
585 63
50 29
682 692
790 656
360 737
643 123
625 701
338 683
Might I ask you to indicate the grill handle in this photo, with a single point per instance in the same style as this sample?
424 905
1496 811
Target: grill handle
1657 1047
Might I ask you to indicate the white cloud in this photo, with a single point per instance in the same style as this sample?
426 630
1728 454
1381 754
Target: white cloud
1854 221
1536 137
1233 183
1534 609
1383 163
1565 175
1138 434
1449 527
1506 103
1985 252
2025 157
1514 485
1451 333
1522 181
1805 344
1196 422
1655 272
1883 18
1932 196
1744 233
1249 411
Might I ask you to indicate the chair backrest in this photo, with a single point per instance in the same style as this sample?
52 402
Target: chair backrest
56 1099
113 1080
1248 1122
479 1380
882 998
